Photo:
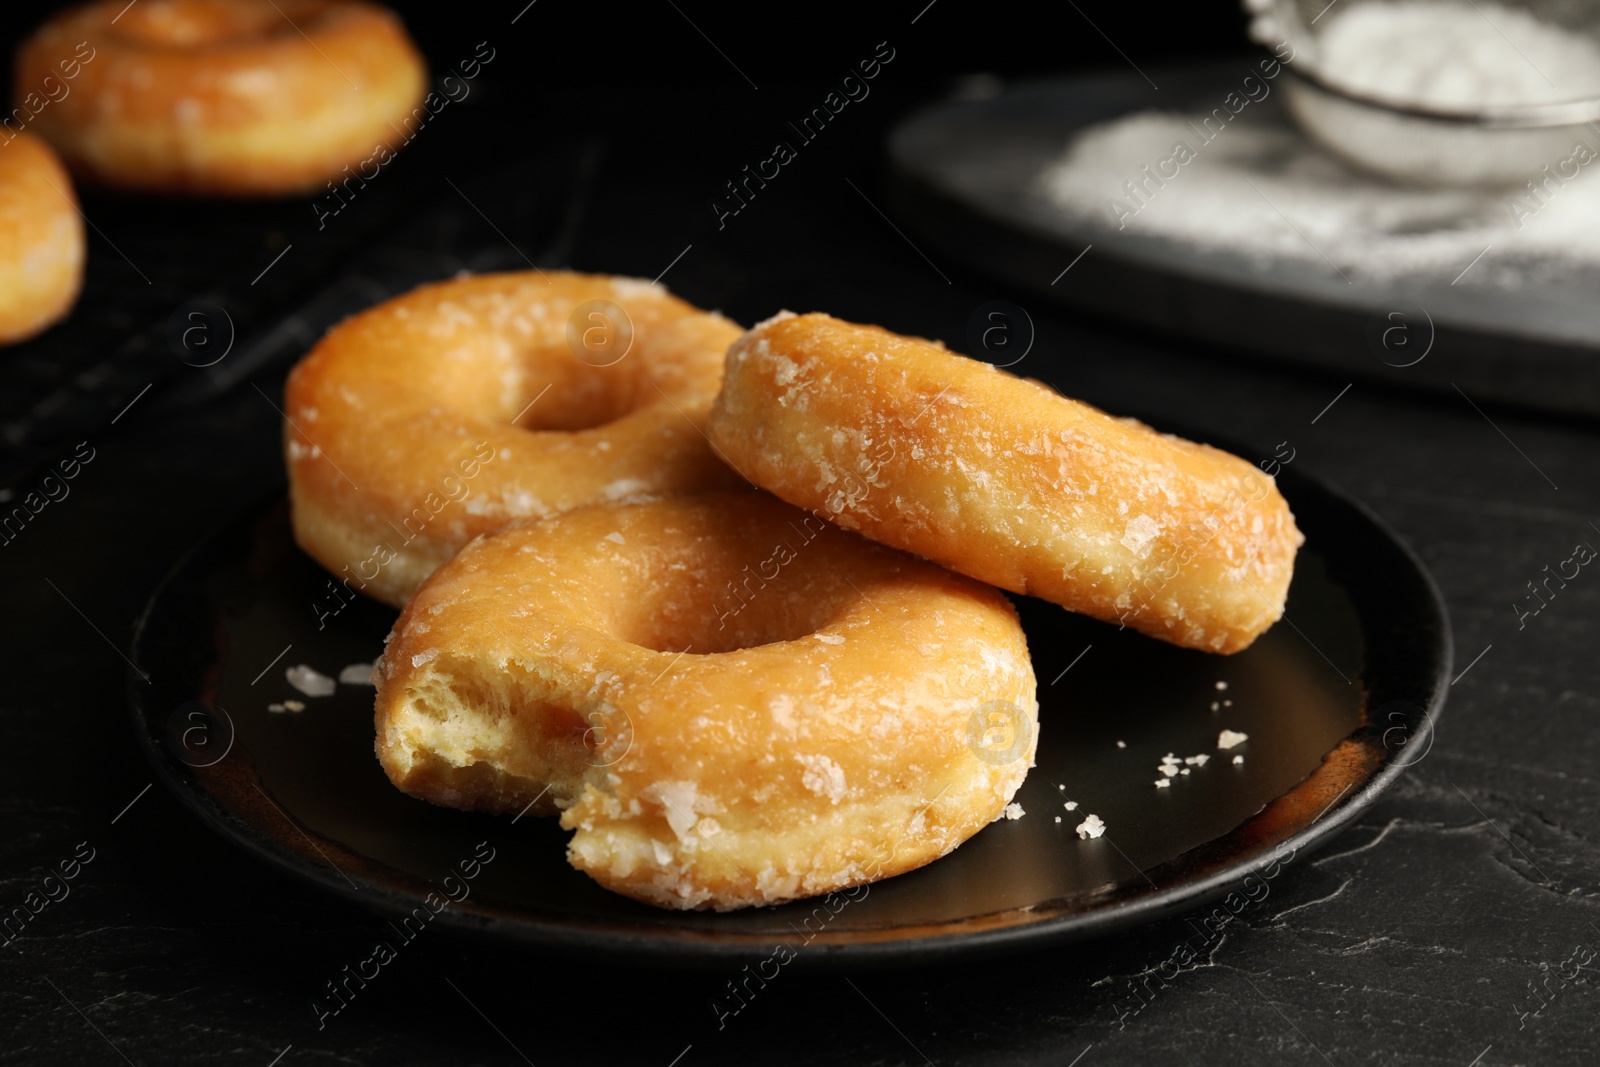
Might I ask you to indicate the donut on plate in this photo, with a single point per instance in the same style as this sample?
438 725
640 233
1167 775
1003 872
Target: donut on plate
1003 479
447 412
41 239
221 97
730 701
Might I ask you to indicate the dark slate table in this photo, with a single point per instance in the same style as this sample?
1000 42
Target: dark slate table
1454 925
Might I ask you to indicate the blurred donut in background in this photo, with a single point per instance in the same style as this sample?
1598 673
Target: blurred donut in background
41 239
219 97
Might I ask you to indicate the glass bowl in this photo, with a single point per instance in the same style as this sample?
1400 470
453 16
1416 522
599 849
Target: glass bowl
1546 144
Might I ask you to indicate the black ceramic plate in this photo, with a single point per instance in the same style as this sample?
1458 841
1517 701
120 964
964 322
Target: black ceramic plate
964 175
1336 699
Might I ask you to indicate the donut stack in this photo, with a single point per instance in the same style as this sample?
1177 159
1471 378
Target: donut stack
727 602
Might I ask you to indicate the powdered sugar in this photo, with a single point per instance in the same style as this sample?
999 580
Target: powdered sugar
823 777
1453 55
356 674
1230 738
310 682
1258 189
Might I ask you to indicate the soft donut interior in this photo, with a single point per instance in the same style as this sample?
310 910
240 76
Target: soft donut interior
474 736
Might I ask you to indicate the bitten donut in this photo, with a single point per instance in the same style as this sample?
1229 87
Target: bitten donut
1001 478
41 239
731 702
222 97
447 412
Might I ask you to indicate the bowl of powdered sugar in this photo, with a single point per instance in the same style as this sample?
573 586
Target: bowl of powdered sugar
1443 92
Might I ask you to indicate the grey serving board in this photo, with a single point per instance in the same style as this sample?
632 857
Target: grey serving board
962 180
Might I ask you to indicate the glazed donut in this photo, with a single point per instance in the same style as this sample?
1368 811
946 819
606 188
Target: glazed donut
731 702
41 239
449 411
1003 479
221 97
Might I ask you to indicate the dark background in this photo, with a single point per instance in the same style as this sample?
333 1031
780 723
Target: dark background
1429 934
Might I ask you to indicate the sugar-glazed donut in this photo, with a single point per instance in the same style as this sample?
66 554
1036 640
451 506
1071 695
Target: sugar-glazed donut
221 97
458 407
41 239
731 701
1003 479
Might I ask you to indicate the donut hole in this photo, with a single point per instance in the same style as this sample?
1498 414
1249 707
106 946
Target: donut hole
741 589
207 23
586 387
763 621
588 399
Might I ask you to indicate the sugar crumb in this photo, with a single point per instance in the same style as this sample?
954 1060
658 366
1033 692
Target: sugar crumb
356 674
310 682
